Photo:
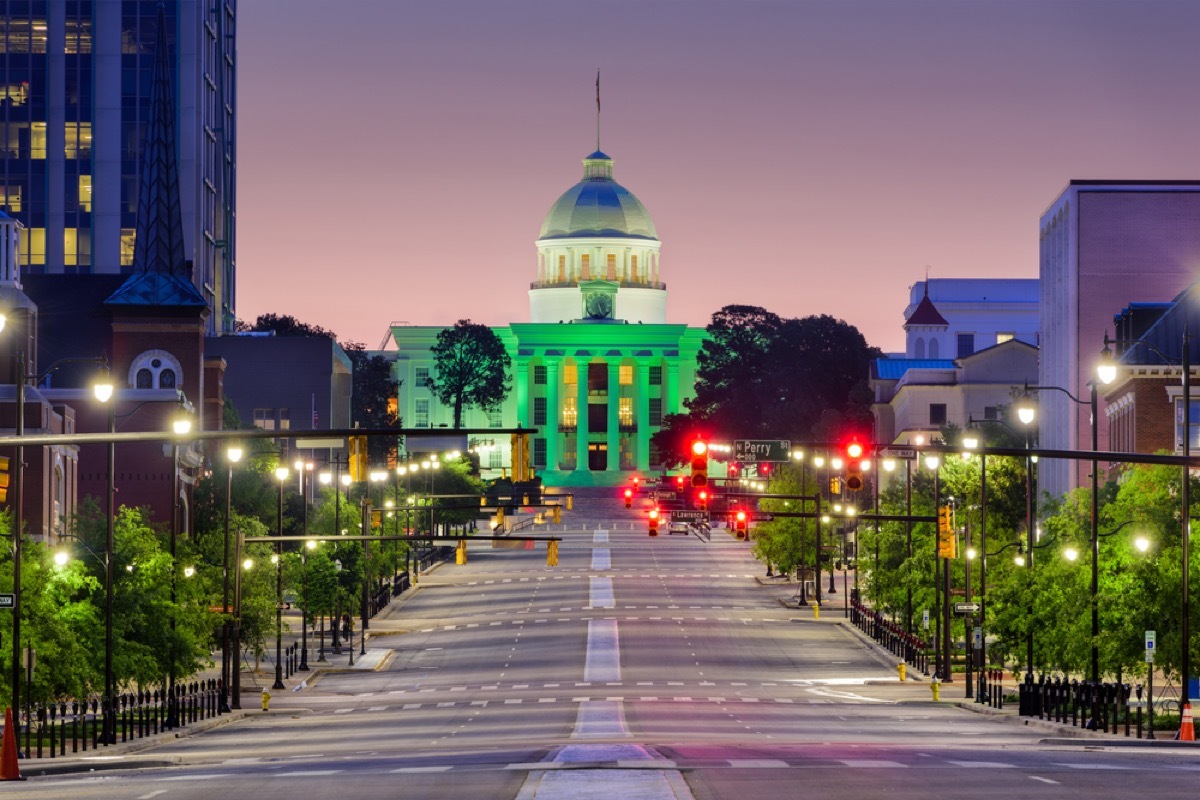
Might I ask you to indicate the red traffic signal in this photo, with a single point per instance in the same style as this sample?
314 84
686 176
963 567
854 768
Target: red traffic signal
679 481
702 499
629 498
740 524
654 522
699 463
854 450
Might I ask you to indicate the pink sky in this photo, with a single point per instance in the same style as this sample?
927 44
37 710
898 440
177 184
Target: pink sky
396 158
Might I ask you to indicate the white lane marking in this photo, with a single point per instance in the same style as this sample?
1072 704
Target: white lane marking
598 719
421 769
307 773
601 593
756 763
1093 766
871 763
155 793
601 559
601 537
1043 780
603 651
983 764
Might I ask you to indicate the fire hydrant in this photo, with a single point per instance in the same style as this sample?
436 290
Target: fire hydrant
266 699
902 668
935 686
816 610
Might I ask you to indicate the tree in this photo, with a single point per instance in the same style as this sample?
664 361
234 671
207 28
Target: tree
762 376
374 393
286 325
472 368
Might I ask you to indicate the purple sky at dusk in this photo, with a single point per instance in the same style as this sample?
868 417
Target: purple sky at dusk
396 158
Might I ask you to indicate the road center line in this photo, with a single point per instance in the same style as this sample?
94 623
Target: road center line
601 593
603 660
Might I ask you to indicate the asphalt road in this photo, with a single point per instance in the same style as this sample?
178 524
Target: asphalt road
638 668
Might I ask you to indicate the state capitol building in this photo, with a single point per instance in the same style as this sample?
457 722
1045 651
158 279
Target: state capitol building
597 366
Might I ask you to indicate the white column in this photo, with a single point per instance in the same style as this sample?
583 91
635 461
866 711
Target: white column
614 417
553 414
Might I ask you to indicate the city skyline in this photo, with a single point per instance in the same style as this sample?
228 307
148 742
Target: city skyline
790 154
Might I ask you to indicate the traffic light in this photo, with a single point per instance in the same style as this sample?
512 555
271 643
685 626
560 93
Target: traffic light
739 525
376 520
520 457
358 458
556 516
835 485
460 552
679 483
637 483
654 522
552 554
699 463
3 479
854 466
946 540
629 498
702 500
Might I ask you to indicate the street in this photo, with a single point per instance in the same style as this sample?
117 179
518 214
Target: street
639 667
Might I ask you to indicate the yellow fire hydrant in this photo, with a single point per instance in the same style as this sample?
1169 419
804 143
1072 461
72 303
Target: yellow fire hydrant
816 610
902 668
266 699
935 686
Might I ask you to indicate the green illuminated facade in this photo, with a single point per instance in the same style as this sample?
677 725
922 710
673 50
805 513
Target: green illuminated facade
597 368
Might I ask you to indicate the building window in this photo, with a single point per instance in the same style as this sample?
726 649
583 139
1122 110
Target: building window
919 348
625 411
562 269
656 376
1006 336
495 458
633 275
585 266
264 418
421 377
597 378
991 412
155 369
1193 424
598 417
625 375
612 267
494 418
570 412
937 413
127 242
285 421
422 413
539 453
539 375
539 411
655 411
570 373
966 344
655 459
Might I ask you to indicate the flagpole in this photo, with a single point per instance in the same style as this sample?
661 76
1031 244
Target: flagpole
597 109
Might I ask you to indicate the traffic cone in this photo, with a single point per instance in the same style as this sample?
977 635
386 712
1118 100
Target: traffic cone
1187 733
9 769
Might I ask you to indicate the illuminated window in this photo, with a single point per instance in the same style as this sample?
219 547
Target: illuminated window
37 140
612 267
284 419
33 245
264 418
1006 336
78 139
77 247
10 197
625 411
15 93
562 269
570 412
625 375
633 276
85 193
495 458
585 266
422 409
127 237
570 372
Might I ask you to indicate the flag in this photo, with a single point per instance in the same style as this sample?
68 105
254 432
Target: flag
597 91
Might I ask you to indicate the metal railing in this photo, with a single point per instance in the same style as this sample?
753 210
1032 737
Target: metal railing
891 636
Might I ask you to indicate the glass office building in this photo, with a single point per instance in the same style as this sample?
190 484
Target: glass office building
75 79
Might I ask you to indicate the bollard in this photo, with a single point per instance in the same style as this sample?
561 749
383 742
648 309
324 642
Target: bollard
902 668
266 699
816 610
935 687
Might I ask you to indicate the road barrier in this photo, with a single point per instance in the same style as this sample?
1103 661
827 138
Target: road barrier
891 636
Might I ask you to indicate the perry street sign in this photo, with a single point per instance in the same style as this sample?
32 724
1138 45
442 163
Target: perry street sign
762 450
966 608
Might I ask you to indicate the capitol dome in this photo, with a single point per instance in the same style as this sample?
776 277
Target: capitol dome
597 206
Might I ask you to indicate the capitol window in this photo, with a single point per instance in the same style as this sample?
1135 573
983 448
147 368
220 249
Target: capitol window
625 375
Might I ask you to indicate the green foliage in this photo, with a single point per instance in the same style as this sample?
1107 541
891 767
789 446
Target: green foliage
472 368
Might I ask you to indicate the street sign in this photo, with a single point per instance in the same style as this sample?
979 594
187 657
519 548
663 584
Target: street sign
977 638
1150 644
925 619
762 450
8 600
966 608
761 516
326 443
689 516
903 453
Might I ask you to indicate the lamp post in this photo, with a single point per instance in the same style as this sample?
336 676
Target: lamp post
108 734
233 454
181 425
1107 372
971 442
1027 412
281 474
303 469
934 463
235 668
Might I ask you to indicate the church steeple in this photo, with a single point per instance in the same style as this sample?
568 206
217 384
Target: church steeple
161 275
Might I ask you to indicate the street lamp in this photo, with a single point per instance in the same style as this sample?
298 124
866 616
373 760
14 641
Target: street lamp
181 425
303 469
103 391
281 474
1029 411
233 454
